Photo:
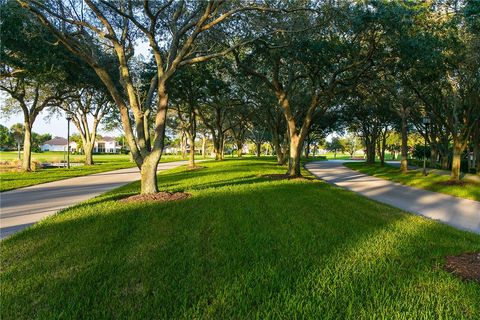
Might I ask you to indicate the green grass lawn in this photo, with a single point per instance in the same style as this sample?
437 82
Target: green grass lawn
57 156
432 182
241 247
103 163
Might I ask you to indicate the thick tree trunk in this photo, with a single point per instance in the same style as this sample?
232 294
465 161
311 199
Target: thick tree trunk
371 153
294 156
239 149
217 148
370 146
404 159
278 150
433 157
27 148
444 162
88 148
148 173
258 145
456 161
218 152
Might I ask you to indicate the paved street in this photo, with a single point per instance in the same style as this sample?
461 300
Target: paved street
460 213
23 207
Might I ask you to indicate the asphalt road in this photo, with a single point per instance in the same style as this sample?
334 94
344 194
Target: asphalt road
23 207
460 213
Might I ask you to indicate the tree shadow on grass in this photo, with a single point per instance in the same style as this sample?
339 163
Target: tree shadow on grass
163 259
258 248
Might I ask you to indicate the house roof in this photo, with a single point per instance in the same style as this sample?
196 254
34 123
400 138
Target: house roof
57 141
107 139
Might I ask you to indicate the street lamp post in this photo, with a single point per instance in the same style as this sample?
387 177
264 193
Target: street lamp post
426 122
69 117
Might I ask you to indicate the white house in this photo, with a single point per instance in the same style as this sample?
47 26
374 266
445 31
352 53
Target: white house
106 145
58 144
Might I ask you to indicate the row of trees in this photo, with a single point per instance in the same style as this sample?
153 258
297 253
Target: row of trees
11 139
287 72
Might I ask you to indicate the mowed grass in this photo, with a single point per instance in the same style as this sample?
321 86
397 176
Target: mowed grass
241 247
103 163
57 156
432 182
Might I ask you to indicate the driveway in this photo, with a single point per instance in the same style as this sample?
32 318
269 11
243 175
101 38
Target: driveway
23 207
460 213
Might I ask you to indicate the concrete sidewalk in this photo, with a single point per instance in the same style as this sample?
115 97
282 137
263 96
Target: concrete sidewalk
440 172
460 213
23 207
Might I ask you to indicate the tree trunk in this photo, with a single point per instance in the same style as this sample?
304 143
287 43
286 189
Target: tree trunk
222 150
239 149
307 149
294 158
183 146
217 148
148 172
433 157
444 163
204 143
27 148
370 147
259 149
191 154
88 148
476 156
404 160
278 150
456 161
382 145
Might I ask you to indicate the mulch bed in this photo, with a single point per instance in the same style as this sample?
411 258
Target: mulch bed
453 183
195 168
159 196
466 266
281 176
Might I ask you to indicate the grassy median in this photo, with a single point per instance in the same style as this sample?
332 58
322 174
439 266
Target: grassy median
432 182
243 246
103 163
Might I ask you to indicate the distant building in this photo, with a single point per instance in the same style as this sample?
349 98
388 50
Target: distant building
58 144
106 145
